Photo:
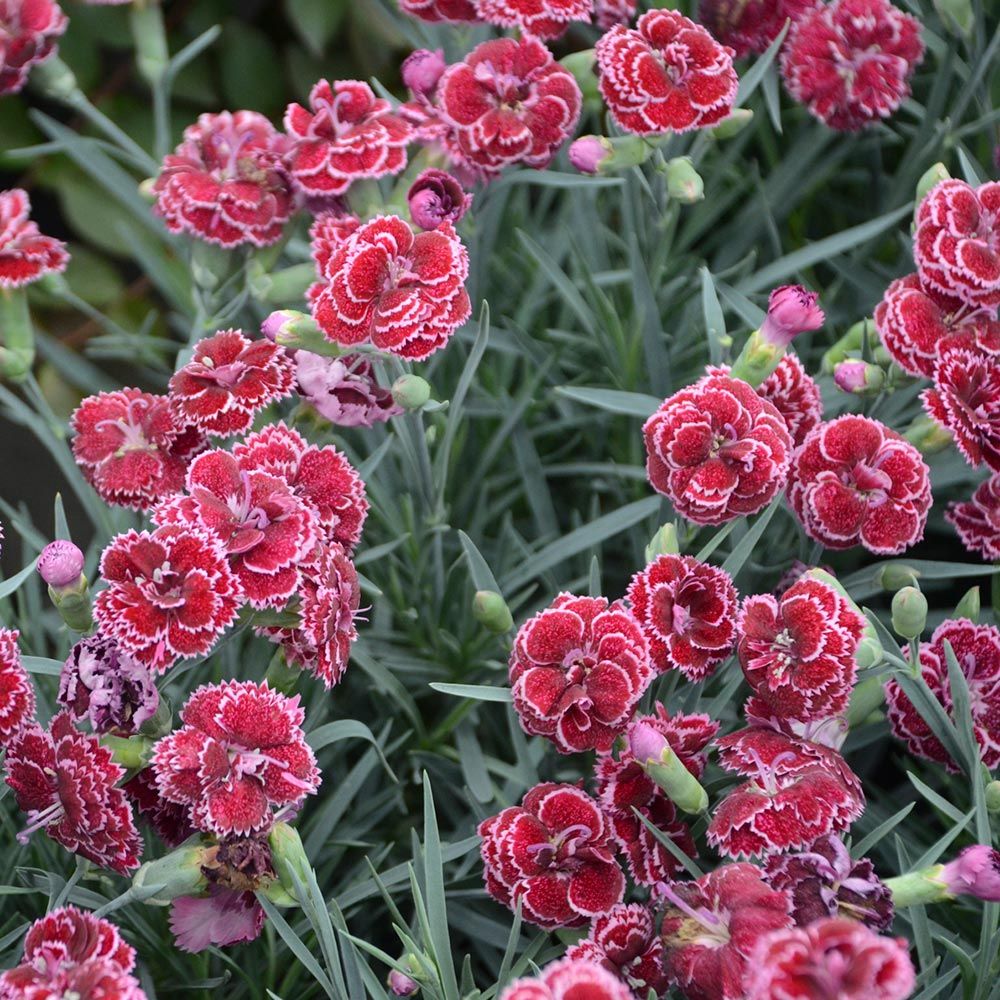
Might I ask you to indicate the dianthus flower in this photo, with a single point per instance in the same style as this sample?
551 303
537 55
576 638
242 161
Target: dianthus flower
957 241
798 653
240 756
667 74
221 918
577 672
509 102
825 881
224 183
28 33
70 953
322 477
569 979
918 324
749 25
977 520
65 781
228 380
541 18
977 649
404 293
797 791
553 854
346 133
965 401
608 13
131 447
795 396
833 957
169 821
711 926
170 594
855 481
17 693
25 254
850 61
343 390
440 10
687 609
436 197
717 450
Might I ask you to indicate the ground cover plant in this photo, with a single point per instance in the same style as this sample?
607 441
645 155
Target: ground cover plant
501 499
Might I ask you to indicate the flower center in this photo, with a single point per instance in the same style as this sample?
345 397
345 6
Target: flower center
869 479
225 376
704 926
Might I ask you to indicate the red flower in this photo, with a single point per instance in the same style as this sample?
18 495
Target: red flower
749 25
383 285
240 756
168 819
957 241
28 33
224 184
795 396
131 448
965 401
17 694
541 18
345 134
608 13
918 324
65 781
264 528
830 958
711 926
578 670
797 791
717 450
798 654
977 649
170 594
228 380
850 62
509 102
440 10
322 477
569 979
25 254
668 74
855 481
552 853
977 520
70 953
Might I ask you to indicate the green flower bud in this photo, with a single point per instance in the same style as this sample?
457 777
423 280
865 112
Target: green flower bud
411 392
848 344
132 752
895 575
957 15
583 66
909 613
993 796
733 125
928 436
147 190
684 183
663 543
656 757
969 606
150 37
17 335
281 675
869 651
866 698
178 874
210 265
288 857
55 80
491 611
935 174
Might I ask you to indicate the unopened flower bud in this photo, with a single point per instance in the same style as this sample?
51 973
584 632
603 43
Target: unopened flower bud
411 392
55 80
582 65
733 125
288 857
422 69
653 753
931 177
61 564
975 872
402 985
850 342
895 575
491 611
663 543
131 752
298 331
957 15
969 606
859 378
992 796
178 874
646 742
869 651
909 613
588 153
928 436
436 197
684 183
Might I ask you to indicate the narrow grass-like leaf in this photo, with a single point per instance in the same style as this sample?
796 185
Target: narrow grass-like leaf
478 692
742 550
632 404
437 907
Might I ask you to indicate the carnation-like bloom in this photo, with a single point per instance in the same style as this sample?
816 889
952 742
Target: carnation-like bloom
711 926
404 293
833 957
608 13
169 820
131 447
227 381
854 481
25 254
977 649
221 918
850 61
224 182
441 10
975 872
552 853
421 70
343 390
825 881
264 528
509 102
70 953
795 396
66 782
749 25
687 610
29 30
541 18
957 241
240 756
569 979
17 693
170 594
796 792
346 133
436 197
798 653
322 477
667 74
977 520
965 401
718 450
577 672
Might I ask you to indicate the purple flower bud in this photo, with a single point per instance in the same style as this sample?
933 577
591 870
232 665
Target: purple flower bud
60 564
850 376
272 326
588 152
401 985
343 390
436 197
791 310
975 872
102 682
646 742
422 69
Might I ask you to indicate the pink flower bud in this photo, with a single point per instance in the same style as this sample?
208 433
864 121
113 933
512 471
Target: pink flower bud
791 310
60 564
436 197
422 69
858 377
401 985
646 742
587 153
271 326
975 872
